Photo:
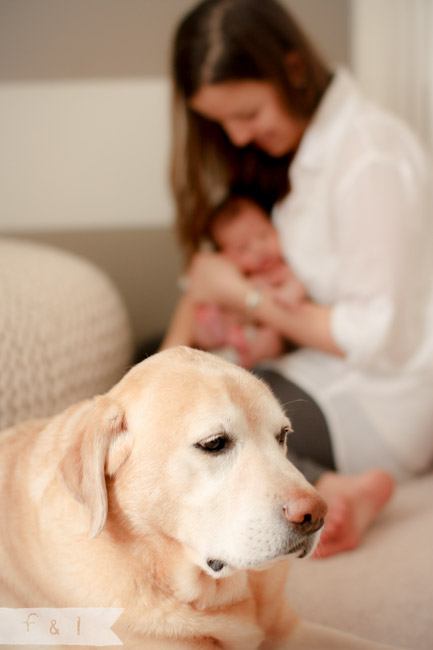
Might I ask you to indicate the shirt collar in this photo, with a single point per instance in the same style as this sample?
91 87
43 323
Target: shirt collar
328 122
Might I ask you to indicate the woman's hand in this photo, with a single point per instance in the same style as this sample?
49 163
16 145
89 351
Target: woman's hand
213 278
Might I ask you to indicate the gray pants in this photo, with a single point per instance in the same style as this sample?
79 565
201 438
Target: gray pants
309 447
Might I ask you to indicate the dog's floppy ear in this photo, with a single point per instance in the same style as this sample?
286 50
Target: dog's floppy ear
101 444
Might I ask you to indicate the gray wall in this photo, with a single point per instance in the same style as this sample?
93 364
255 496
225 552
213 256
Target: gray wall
60 39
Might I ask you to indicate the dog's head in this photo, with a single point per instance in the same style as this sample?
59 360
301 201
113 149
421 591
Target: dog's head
194 450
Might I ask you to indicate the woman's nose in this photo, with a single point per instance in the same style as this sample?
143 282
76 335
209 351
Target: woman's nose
239 134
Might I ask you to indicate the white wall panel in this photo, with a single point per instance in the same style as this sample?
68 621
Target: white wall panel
77 154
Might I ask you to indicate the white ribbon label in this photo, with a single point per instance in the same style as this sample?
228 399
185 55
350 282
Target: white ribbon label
59 626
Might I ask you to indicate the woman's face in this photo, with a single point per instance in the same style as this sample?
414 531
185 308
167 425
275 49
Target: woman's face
250 112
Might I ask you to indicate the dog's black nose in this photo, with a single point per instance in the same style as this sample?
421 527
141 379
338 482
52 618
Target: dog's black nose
305 513
216 565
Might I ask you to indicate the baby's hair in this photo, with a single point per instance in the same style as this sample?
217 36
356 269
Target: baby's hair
227 211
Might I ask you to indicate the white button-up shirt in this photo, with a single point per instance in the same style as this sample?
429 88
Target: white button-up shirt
357 229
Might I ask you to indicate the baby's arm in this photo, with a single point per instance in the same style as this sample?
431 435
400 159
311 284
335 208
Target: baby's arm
282 284
289 294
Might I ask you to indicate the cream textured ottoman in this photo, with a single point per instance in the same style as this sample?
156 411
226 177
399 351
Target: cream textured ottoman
64 331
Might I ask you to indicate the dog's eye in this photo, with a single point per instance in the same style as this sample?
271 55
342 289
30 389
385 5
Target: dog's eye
281 437
214 446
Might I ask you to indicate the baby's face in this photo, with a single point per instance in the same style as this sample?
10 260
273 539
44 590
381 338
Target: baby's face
249 240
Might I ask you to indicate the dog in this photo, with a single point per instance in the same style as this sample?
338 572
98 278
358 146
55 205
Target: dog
170 497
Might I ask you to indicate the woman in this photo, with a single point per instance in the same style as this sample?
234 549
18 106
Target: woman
256 111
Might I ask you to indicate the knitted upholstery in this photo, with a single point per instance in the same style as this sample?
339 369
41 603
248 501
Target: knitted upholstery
64 331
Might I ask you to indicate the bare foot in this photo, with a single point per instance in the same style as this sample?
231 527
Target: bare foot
354 500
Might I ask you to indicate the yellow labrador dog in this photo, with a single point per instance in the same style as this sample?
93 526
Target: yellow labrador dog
170 497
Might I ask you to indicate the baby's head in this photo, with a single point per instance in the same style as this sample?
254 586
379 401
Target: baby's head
242 230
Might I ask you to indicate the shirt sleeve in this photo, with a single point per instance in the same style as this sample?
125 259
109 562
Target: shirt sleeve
378 227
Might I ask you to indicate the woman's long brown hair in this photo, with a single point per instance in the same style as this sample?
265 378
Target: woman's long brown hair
228 40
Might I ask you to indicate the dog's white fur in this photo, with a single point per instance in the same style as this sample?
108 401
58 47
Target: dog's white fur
134 467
